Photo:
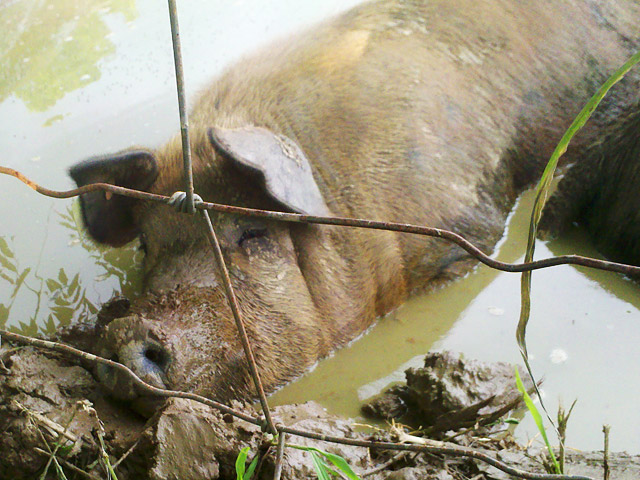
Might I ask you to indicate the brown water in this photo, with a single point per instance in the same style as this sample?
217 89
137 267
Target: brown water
80 80
582 338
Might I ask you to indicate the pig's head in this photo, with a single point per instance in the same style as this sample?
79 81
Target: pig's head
180 334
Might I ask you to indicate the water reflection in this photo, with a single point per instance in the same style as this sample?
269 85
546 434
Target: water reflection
58 300
576 241
52 48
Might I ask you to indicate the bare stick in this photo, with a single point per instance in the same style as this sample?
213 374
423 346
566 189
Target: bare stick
606 429
150 389
279 455
563 420
48 423
127 453
382 466
69 465
435 448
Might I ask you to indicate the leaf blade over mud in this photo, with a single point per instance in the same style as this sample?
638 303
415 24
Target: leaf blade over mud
542 191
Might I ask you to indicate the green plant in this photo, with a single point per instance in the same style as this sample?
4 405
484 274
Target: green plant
542 191
241 461
544 185
535 413
322 469
318 457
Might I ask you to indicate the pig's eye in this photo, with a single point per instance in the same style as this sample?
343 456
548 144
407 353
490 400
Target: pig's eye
251 233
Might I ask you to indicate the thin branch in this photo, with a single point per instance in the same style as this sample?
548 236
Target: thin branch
279 455
69 465
51 426
434 448
383 466
150 389
338 221
127 453
606 429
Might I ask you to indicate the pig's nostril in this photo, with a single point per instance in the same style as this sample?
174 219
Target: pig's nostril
157 356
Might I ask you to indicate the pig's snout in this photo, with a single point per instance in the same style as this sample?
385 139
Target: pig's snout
132 342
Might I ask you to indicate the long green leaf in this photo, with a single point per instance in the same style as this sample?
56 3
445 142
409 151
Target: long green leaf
20 280
320 467
4 315
339 462
543 189
6 277
252 468
6 264
4 248
240 463
537 418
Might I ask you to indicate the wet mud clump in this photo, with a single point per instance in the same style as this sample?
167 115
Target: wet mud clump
450 392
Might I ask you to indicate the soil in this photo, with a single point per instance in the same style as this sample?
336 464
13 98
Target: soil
450 393
51 403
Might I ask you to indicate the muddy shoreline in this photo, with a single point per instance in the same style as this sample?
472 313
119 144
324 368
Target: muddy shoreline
46 396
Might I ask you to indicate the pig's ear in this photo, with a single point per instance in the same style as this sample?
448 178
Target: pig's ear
108 217
281 166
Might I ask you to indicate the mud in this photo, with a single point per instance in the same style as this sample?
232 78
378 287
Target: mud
42 397
449 393
51 403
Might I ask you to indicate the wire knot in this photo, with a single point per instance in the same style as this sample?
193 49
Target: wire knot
179 201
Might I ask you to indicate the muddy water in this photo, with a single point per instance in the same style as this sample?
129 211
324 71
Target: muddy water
80 80
582 338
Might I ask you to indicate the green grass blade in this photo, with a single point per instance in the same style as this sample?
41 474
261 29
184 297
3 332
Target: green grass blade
337 461
43 476
320 467
341 464
59 471
537 418
543 189
252 468
105 459
240 463
540 200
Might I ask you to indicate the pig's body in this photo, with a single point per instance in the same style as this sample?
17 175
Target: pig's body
433 113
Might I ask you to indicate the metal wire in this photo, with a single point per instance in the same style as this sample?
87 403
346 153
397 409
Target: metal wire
446 235
182 108
235 309
191 207
446 450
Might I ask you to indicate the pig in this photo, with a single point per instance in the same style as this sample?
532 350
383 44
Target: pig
435 113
